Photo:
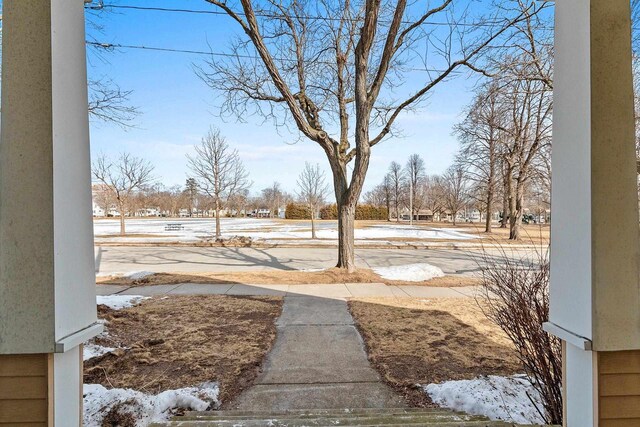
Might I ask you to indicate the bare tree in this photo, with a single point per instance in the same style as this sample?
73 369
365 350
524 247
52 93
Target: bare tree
455 189
218 171
123 177
312 190
434 195
396 180
416 174
332 65
480 136
274 196
527 135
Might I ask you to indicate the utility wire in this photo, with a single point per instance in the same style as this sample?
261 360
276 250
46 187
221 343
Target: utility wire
268 15
112 46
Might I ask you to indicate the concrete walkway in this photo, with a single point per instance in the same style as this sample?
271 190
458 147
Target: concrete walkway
341 290
318 362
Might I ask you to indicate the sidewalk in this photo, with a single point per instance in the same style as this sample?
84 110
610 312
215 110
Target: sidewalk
336 291
318 362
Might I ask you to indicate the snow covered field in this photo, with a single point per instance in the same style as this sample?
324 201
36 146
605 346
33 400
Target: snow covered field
197 229
499 398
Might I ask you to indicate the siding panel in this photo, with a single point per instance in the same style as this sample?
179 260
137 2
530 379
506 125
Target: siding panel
24 386
619 388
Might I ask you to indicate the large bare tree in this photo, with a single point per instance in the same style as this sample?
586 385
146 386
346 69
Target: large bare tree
312 190
334 69
480 136
218 170
455 190
123 177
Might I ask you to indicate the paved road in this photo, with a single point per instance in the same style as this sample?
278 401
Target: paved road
121 259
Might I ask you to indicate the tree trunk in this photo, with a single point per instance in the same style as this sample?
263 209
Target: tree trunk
313 223
505 200
121 209
489 205
346 247
122 230
516 208
218 234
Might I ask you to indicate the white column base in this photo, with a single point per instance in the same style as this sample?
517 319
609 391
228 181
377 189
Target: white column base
581 387
67 387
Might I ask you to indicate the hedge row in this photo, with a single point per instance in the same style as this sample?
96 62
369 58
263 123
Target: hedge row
363 212
297 211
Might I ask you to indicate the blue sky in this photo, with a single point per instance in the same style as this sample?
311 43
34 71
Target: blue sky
178 108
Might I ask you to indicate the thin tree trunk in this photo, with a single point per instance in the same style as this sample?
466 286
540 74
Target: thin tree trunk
122 228
516 208
313 223
505 200
346 246
489 205
218 234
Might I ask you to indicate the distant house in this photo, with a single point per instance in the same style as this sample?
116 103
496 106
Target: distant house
262 213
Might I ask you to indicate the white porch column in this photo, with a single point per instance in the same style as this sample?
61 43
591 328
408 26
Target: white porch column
47 280
595 300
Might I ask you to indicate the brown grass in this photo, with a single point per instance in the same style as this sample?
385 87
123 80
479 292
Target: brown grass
285 277
182 341
134 235
413 341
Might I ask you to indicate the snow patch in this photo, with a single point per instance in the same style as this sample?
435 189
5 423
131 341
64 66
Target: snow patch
499 398
89 351
145 408
410 272
117 302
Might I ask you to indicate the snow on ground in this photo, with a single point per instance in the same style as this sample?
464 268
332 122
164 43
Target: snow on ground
98 401
410 272
117 302
197 229
89 351
137 275
499 398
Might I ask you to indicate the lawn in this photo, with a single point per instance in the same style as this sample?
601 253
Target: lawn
414 342
284 277
181 341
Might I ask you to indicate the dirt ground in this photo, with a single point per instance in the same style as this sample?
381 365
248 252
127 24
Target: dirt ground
418 341
293 277
180 341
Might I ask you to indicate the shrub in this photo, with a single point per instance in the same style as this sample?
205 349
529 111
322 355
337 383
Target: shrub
363 212
297 211
515 296
329 212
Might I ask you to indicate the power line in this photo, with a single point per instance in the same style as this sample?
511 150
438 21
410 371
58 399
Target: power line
269 15
112 46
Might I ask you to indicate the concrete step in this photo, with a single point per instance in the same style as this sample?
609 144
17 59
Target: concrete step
317 418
